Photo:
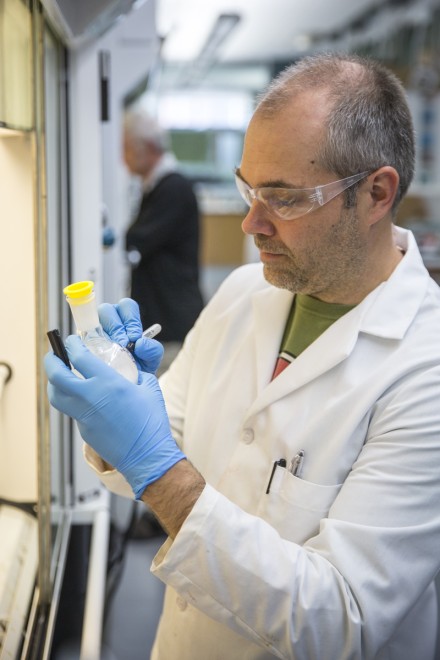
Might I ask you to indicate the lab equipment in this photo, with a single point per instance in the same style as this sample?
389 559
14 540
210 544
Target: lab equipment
81 299
126 424
122 323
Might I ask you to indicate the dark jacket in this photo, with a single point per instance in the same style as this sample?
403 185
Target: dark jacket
166 234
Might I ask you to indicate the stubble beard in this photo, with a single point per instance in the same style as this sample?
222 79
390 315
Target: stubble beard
324 267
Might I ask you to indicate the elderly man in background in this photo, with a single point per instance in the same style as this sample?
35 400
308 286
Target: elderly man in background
163 239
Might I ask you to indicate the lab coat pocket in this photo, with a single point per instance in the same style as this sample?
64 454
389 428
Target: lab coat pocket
295 507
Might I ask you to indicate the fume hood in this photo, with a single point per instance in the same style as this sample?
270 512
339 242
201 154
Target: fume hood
51 90
80 21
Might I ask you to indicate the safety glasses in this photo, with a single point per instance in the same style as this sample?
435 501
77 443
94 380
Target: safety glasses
292 203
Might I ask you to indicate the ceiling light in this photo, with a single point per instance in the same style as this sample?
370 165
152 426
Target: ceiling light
222 28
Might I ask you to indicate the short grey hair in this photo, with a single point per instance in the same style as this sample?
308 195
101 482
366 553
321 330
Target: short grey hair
139 126
369 123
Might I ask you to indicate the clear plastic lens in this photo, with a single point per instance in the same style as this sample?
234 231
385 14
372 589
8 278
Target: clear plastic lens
285 202
244 190
291 203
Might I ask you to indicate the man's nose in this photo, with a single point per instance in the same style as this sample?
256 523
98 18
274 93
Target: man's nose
258 221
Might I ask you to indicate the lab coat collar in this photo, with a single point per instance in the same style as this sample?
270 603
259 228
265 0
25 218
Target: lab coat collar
386 312
390 308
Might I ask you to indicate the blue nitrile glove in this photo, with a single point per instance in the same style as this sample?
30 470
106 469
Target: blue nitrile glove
125 423
122 323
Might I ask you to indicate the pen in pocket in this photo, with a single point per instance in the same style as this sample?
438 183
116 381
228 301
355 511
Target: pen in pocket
282 463
295 465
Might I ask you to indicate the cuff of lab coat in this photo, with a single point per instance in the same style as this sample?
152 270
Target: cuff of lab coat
112 479
172 553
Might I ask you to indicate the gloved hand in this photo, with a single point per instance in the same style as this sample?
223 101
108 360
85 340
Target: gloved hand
122 323
125 423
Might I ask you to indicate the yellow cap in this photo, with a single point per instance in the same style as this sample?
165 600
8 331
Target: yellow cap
79 289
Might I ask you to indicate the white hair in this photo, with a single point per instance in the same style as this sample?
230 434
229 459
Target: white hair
140 126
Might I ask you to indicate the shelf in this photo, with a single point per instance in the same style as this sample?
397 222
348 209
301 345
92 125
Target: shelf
10 132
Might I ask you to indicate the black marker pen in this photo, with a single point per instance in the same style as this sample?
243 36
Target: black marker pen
58 346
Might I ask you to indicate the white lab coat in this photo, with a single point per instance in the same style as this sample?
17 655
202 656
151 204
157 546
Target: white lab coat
339 563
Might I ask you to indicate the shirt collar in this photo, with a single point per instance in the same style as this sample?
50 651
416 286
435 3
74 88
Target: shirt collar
165 165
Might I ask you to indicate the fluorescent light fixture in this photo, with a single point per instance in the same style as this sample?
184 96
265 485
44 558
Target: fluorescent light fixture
205 109
194 32
222 28
208 54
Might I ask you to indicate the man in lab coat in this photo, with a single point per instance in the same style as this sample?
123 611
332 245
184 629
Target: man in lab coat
297 467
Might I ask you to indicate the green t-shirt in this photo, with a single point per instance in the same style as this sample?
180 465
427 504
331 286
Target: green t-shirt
308 318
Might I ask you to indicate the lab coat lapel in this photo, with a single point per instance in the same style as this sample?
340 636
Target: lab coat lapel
386 312
270 309
327 351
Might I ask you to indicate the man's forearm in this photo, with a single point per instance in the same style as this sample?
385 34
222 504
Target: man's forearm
172 497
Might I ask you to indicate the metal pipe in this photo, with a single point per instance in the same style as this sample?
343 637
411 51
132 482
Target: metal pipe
96 582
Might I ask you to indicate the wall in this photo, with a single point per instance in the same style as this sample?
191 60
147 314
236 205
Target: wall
18 414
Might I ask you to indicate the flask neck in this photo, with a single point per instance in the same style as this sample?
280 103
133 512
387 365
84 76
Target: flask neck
85 315
92 333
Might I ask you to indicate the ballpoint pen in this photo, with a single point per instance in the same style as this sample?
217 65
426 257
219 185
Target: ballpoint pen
296 463
282 463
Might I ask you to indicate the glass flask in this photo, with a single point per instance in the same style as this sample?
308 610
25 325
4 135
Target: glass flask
81 299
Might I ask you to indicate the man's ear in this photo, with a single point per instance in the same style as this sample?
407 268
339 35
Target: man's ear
383 186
